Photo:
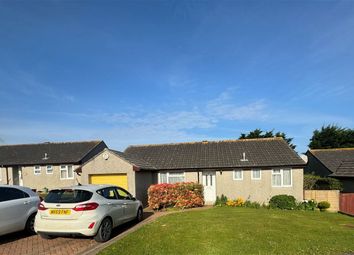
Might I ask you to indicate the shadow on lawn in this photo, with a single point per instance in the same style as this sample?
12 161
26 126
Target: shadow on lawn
122 228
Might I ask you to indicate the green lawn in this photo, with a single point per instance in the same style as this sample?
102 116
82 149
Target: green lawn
241 231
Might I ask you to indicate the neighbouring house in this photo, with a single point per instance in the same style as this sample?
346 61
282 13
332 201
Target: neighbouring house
336 163
117 168
45 165
254 169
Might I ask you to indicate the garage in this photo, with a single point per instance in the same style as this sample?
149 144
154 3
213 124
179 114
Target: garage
120 180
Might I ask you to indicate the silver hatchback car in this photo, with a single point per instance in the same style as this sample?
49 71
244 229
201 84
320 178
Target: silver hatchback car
18 208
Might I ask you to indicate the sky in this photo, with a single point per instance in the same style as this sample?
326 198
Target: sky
142 72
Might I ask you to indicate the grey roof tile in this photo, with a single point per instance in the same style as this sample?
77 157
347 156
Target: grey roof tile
265 152
57 153
339 161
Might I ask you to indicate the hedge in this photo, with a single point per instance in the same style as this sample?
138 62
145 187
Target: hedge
313 182
179 195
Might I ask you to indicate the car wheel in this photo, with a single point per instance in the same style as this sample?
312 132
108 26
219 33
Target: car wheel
104 232
139 215
45 236
30 224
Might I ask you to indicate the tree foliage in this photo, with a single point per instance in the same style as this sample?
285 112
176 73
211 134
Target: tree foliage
258 133
313 182
332 136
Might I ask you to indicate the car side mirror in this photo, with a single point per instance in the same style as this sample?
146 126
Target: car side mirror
133 198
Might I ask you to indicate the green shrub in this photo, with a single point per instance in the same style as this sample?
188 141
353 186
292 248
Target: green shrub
283 202
307 205
312 182
221 201
253 204
323 205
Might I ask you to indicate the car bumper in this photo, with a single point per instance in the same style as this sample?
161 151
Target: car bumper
66 227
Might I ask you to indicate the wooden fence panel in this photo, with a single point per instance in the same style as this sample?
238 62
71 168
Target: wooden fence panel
346 204
331 196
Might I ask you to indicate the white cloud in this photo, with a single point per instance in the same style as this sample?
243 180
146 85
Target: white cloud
28 85
122 129
224 107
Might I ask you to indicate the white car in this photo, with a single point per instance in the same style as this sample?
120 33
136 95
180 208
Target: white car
18 208
90 210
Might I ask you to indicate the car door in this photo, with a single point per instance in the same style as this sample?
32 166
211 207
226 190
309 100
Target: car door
14 206
113 204
129 205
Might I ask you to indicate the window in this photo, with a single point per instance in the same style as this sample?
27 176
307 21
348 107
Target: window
281 178
173 177
7 194
256 174
37 170
123 194
163 178
286 177
68 196
49 169
108 193
238 175
66 172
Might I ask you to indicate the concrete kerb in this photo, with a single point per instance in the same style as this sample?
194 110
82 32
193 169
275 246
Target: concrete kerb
96 249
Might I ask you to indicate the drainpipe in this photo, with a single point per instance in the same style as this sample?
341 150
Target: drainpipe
7 176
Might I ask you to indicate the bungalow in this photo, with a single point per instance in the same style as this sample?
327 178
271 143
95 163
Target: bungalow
254 169
336 163
45 165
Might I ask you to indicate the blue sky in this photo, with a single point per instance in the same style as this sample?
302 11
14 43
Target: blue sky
137 72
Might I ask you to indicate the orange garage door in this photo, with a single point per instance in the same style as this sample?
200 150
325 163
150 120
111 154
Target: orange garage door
120 180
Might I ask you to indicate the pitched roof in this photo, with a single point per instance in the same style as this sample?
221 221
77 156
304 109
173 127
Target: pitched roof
339 161
134 160
57 153
265 152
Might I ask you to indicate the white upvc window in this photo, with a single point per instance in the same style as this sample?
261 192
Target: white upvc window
238 175
37 170
49 169
282 177
171 177
256 174
66 172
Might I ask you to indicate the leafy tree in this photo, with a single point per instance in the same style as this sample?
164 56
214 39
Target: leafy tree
258 133
332 136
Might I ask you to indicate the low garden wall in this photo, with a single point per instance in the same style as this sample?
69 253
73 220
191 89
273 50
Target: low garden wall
331 196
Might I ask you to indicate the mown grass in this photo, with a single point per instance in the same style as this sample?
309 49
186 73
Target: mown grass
241 231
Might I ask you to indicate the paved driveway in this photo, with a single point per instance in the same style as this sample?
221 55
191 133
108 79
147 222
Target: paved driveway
22 244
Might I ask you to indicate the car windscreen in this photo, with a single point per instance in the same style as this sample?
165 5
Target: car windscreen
68 196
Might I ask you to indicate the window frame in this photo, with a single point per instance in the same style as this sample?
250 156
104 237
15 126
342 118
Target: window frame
260 174
46 169
168 176
234 176
282 177
67 172
6 190
35 171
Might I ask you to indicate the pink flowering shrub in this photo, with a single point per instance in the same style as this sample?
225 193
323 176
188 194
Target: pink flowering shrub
180 195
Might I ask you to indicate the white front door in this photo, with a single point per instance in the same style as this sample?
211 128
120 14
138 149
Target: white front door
209 184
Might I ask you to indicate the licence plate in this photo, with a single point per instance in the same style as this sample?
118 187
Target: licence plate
60 211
